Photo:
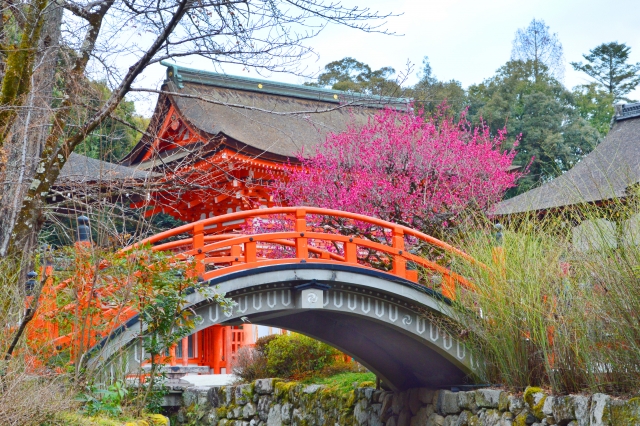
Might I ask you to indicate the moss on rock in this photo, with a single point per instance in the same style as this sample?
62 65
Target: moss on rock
625 413
535 397
521 419
282 389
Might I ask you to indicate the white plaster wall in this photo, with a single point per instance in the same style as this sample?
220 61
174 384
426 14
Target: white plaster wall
631 230
595 234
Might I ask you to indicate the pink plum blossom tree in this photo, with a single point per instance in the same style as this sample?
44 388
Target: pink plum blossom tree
425 174
402 168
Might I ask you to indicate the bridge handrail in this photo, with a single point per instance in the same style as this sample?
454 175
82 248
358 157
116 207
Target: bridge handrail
201 242
281 237
230 217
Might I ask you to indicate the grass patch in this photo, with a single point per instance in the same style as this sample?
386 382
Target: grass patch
74 418
343 383
77 419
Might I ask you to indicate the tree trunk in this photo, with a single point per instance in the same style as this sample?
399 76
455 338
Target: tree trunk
29 133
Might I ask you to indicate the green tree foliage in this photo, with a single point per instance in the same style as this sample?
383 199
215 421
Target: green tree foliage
607 65
351 75
117 134
594 105
539 111
429 92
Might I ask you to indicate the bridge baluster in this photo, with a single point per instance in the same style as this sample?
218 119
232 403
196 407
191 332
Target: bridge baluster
351 252
399 262
198 243
302 250
236 252
250 250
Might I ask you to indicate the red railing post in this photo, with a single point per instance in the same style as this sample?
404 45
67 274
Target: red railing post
302 250
351 252
250 252
172 354
399 262
236 252
198 243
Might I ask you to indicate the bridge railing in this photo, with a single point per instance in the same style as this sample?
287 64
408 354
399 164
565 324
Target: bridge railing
299 234
219 254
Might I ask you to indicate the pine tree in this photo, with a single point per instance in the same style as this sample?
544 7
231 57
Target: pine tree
607 65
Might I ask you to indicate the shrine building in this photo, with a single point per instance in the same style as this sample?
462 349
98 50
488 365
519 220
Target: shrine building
607 176
218 141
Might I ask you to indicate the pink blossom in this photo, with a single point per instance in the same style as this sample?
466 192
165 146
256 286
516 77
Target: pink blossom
405 169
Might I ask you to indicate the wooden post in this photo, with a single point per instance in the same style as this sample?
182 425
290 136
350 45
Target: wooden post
172 354
236 252
227 333
185 351
302 250
448 287
250 252
399 262
198 243
217 349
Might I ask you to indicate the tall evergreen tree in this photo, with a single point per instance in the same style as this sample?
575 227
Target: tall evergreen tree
430 92
539 111
607 65
351 75
594 105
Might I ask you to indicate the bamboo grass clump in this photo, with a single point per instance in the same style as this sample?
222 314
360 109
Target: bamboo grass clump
557 308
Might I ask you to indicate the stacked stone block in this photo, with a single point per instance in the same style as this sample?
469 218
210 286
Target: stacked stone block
270 402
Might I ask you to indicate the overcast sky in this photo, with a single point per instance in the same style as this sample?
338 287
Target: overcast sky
465 40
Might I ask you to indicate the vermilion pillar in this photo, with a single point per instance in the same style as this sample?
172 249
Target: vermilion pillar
247 335
185 351
172 354
217 349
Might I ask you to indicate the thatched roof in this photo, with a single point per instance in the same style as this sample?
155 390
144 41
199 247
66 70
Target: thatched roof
607 172
259 117
80 169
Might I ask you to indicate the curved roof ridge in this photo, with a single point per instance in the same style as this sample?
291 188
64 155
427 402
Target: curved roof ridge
179 75
605 173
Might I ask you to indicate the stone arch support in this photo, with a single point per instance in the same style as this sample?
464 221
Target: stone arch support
382 321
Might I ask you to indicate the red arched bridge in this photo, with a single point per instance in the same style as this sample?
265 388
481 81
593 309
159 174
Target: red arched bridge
294 268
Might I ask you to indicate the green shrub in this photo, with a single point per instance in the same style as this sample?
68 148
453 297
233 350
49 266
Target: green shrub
340 367
291 357
343 383
297 356
263 342
104 401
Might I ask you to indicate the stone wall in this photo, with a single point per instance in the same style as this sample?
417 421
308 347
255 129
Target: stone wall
272 402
